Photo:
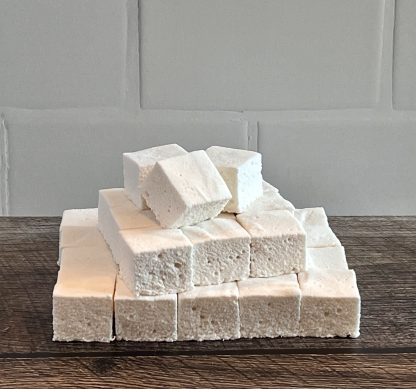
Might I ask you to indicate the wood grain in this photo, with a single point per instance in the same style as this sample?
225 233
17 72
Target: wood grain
382 250
289 371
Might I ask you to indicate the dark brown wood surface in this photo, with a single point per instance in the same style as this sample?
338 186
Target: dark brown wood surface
382 250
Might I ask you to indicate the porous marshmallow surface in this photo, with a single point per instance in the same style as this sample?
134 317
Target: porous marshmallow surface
209 313
330 304
185 190
277 243
144 318
269 307
221 251
155 261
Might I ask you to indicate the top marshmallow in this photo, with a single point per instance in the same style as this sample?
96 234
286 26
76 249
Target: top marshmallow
185 190
137 166
241 170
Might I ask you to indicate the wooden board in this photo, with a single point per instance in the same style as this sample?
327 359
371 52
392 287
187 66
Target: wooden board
382 250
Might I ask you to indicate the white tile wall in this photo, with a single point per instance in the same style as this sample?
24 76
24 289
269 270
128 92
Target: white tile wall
260 55
324 88
60 163
405 55
60 53
346 165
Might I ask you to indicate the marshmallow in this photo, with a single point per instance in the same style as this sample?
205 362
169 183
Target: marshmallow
269 307
326 258
79 229
318 231
137 166
330 304
144 318
185 190
83 295
221 251
155 261
241 170
271 200
209 313
277 243
311 216
116 212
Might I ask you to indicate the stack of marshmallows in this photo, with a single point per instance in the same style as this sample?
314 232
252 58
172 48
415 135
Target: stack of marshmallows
196 246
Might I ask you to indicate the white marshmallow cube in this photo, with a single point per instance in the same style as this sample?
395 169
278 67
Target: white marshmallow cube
271 200
185 190
269 307
83 295
277 243
144 318
318 231
326 258
137 166
330 304
116 212
241 170
209 313
155 261
79 229
221 251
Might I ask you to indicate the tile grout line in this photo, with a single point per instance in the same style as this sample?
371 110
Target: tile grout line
4 167
139 49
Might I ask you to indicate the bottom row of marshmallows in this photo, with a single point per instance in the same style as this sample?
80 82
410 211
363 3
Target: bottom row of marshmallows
319 302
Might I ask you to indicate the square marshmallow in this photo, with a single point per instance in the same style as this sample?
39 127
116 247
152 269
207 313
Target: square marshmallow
137 166
326 258
271 200
269 307
79 229
277 243
209 313
318 231
221 251
116 212
83 295
185 190
241 170
330 304
144 318
155 261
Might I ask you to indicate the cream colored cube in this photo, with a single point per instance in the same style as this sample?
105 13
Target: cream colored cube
277 243
138 165
241 170
79 229
326 258
144 318
269 307
221 251
83 295
155 261
209 313
116 212
185 190
330 304
318 231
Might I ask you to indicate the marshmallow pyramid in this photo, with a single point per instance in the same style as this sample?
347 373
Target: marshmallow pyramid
197 246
